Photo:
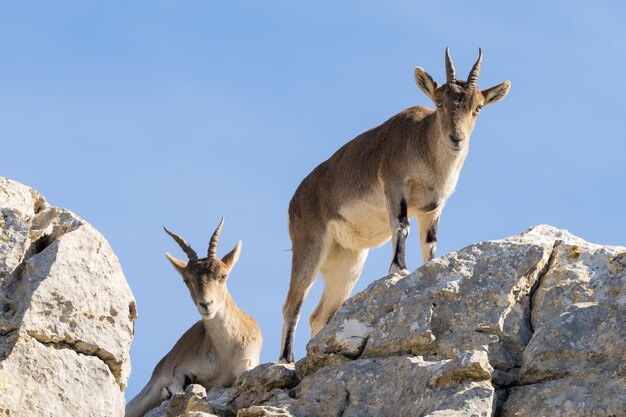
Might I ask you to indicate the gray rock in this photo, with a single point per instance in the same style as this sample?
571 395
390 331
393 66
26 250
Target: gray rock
398 385
217 398
473 299
264 411
67 312
265 383
604 396
531 325
193 402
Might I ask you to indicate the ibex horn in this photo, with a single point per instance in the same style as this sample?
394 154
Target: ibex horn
191 254
472 79
450 73
212 252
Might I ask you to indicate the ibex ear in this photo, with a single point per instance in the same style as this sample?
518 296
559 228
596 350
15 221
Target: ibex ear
425 82
178 264
232 257
496 93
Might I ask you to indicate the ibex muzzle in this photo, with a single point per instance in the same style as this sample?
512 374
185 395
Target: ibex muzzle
366 192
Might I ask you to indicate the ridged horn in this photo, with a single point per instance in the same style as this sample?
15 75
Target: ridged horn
450 73
212 252
472 79
191 254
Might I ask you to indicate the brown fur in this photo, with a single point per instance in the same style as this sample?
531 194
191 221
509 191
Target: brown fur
365 193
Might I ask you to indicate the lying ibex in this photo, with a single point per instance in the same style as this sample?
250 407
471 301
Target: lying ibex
367 191
215 350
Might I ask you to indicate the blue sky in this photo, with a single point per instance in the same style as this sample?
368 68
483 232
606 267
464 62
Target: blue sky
141 114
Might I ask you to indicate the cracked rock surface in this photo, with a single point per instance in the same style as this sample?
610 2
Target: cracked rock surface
532 325
67 313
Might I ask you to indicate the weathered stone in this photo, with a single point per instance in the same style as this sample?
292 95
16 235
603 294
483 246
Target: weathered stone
531 325
473 299
398 385
193 402
264 411
574 365
18 206
217 398
62 293
579 312
267 382
42 380
604 396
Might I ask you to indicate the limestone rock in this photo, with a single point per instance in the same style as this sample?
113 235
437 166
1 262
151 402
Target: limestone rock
397 385
193 403
473 299
531 325
577 356
217 398
264 411
570 397
267 382
67 312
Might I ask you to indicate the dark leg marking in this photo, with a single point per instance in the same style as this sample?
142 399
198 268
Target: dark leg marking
402 216
186 382
287 353
430 207
398 257
433 248
431 235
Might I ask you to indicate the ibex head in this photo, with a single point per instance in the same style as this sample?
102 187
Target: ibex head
458 102
206 277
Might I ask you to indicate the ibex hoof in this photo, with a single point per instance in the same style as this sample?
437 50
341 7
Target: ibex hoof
401 272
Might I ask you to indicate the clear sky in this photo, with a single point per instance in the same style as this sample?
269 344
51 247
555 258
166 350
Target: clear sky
141 114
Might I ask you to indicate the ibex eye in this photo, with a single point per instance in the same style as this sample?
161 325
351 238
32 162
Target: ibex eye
438 103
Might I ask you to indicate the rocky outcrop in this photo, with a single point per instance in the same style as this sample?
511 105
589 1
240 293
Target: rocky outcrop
532 325
66 316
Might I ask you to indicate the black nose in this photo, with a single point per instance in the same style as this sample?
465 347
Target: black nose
206 305
455 139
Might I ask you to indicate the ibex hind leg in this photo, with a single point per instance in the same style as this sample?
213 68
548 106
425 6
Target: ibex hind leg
148 398
306 257
340 270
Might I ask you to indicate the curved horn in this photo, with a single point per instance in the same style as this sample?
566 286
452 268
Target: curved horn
191 254
472 78
450 73
212 252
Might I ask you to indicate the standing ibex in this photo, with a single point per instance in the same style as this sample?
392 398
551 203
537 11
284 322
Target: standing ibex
215 350
367 191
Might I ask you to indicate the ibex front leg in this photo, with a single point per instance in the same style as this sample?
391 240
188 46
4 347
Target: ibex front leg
428 233
399 222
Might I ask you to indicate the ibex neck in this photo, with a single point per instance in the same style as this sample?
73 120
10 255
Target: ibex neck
224 326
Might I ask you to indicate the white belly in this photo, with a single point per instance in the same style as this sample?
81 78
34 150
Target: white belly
365 224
